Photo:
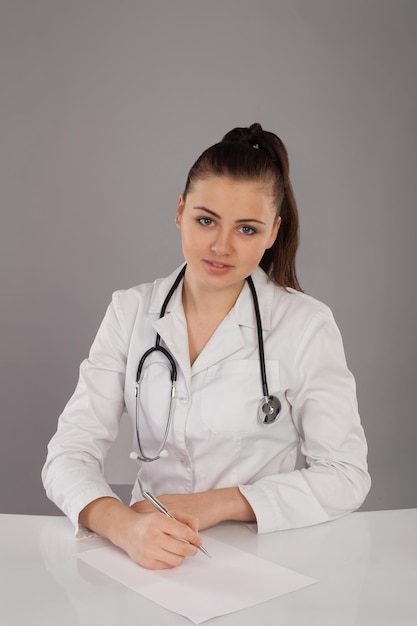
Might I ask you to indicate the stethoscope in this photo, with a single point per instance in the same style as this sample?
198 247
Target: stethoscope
269 407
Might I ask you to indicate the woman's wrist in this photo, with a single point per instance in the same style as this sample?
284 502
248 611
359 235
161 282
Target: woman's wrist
107 517
228 504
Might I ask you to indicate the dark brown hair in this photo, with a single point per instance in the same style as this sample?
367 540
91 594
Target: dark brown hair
256 154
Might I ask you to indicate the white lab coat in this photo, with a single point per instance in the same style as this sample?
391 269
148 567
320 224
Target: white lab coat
215 440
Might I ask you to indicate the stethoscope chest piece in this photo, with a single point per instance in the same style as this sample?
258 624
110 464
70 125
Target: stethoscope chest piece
269 409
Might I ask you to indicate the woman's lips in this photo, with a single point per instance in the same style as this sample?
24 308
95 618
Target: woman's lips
217 267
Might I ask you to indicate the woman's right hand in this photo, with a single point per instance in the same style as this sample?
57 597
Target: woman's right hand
152 540
156 541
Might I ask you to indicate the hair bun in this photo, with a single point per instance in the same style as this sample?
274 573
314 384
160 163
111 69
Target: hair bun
249 135
256 128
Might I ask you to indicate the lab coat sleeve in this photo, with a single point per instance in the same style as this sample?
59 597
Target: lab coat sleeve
73 472
325 413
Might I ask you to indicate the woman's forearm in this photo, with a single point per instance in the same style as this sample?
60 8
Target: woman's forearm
210 507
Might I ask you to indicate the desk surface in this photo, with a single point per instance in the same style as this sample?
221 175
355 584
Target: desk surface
366 565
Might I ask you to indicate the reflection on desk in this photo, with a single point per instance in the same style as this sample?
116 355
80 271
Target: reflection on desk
366 565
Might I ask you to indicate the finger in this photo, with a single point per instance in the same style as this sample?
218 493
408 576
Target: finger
167 552
165 540
183 530
178 547
189 520
162 560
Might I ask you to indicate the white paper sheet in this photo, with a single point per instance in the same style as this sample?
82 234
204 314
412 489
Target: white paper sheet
202 588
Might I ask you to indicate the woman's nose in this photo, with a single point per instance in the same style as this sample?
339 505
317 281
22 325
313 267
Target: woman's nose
222 244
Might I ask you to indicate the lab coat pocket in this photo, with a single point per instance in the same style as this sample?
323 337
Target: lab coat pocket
231 395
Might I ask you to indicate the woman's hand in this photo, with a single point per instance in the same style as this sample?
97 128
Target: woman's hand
151 539
159 542
209 507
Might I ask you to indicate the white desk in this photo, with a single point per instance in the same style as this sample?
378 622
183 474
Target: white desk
366 564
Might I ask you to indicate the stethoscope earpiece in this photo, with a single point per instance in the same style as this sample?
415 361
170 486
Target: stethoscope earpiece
269 409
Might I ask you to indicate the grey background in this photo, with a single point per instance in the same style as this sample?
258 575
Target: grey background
105 104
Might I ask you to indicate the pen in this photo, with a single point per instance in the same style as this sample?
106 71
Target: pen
158 505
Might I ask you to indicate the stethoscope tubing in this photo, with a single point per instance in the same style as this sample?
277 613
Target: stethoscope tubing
260 339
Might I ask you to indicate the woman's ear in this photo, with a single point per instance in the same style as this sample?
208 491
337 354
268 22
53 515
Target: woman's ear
180 209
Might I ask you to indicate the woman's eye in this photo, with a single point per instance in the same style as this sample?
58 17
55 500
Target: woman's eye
205 221
248 230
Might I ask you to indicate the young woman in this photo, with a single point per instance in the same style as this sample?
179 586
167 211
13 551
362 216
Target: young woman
249 376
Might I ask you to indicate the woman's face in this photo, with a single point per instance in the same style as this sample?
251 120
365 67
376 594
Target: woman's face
226 226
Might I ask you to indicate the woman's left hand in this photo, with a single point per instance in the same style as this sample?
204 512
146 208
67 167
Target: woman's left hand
210 507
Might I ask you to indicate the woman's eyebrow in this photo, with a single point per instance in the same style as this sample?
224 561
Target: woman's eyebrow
203 208
241 221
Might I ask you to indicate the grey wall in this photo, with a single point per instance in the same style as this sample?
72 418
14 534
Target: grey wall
103 107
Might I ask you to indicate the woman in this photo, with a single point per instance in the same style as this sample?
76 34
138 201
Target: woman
238 219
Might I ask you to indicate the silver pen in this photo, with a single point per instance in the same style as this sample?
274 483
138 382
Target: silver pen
158 505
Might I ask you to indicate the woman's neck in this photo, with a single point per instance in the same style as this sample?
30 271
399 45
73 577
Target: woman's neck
204 311
209 303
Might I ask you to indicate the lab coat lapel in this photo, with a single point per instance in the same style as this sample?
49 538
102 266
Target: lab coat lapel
245 309
226 340
173 331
